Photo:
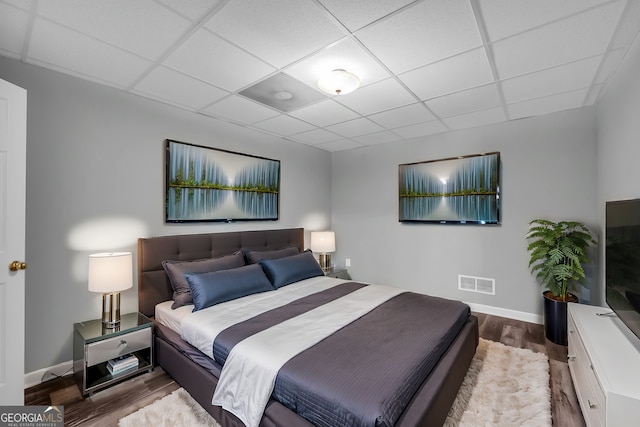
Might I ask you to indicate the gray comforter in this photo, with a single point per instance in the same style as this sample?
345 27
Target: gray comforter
366 373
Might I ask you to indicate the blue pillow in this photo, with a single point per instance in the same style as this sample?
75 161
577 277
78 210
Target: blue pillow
284 271
177 269
215 287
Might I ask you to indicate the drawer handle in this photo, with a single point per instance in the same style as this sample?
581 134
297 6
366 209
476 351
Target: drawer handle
122 343
591 405
571 358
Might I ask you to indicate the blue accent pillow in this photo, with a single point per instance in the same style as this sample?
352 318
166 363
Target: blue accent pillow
214 287
284 271
177 269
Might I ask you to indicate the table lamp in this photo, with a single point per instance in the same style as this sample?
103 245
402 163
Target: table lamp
324 242
110 273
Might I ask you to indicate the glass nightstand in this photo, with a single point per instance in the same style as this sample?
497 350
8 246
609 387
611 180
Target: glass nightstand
94 346
338 273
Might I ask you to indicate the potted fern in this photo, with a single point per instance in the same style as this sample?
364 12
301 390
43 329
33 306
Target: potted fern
558 254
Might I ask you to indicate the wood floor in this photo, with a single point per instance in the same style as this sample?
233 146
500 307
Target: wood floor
106 407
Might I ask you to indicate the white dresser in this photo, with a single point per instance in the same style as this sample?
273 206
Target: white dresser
604 360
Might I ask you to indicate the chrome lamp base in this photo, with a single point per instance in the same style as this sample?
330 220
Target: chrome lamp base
111 310
325 262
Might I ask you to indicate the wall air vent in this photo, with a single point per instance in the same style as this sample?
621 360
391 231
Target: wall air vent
477 284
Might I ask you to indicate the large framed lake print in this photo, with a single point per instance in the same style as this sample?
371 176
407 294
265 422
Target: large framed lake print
458 190
209 184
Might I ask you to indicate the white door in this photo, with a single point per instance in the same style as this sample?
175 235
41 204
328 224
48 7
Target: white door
13 147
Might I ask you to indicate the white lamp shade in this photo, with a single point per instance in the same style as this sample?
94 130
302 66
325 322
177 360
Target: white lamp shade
110 272
323 241
339 82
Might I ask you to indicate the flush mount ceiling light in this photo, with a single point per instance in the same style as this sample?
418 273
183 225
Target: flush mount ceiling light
339 82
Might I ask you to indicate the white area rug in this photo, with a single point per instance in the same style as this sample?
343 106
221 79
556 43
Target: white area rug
505 386
175 410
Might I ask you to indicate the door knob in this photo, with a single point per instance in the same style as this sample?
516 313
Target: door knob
17 265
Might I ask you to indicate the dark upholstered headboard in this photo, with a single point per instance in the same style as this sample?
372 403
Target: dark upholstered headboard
153 283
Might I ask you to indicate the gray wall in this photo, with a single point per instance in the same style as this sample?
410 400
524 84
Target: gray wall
95 171
619 137
548 171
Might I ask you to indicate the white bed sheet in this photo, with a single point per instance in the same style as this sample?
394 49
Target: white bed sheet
171 318
200 328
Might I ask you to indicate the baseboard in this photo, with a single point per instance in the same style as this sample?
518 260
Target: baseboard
44 374
505 312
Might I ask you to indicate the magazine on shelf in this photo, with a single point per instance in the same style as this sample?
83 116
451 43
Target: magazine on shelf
122 363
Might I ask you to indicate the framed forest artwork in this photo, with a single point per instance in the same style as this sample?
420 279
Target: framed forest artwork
456 190
208 184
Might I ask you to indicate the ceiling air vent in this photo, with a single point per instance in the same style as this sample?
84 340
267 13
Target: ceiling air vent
477 284
283 92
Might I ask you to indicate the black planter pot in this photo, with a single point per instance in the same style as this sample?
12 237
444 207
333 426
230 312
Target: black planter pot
555 318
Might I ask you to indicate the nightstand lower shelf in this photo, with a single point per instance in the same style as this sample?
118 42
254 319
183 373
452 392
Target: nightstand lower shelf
98 376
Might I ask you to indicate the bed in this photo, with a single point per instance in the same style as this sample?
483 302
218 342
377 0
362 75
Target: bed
427 404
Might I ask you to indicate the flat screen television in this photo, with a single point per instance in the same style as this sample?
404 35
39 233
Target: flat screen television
622 261
456 190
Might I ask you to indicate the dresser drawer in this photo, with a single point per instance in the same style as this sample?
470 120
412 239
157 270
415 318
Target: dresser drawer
111 348
588 389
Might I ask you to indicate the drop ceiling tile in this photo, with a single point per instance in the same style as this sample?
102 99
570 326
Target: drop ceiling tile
357 127
403 116
423 34
202 54
192 9
547 104
568 77
176 88
315 137
345 54
241 110
341 145
118 22
279 31
451 75
57 47
284 125
581 36
13 27
504 18
628 27
480 98
421 129
325 113
377 138
477 118
355 14
377 97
